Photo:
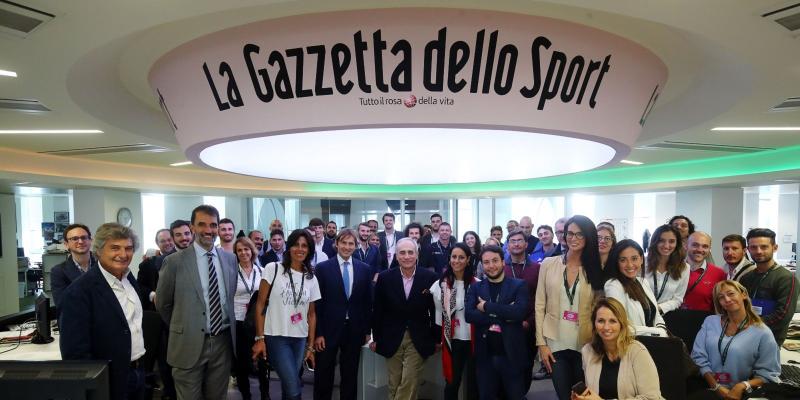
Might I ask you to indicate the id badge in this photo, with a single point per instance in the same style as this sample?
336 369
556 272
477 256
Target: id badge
758 310
495 328
723 378
296 318
570 316
456 322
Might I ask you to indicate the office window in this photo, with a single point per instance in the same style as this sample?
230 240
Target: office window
218 202
152 220
30 218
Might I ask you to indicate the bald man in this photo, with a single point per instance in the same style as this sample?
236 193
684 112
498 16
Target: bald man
703 275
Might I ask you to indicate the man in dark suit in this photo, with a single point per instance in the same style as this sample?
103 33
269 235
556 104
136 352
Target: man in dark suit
195 298
101 316
78 240
496 308
365 252
148 269
436 257
388 237
322 244
277 245
403 321
343 318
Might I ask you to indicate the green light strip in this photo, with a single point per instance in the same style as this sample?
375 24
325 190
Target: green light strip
785 159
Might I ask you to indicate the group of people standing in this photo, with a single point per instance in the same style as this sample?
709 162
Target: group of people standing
489 309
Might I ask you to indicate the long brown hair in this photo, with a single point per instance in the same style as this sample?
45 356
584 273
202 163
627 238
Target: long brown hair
747 303
625 338
631 285
675 264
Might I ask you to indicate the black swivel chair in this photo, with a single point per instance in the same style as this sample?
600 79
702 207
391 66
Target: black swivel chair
685 324
667 354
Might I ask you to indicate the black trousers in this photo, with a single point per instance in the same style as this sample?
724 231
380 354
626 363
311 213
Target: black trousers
243 364
348 351
462 358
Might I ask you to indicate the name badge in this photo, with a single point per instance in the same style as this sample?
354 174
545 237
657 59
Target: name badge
758 310
723 378
296 318
570 316
456 322
495 328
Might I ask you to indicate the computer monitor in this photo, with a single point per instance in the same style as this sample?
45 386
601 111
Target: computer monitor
29 380
42 312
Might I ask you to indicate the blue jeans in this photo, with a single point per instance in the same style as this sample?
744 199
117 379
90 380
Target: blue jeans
567 371
286 356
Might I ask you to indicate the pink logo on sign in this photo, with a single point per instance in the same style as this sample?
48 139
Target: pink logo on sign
411 101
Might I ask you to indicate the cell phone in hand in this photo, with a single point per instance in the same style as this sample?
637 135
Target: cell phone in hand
579 388
308 365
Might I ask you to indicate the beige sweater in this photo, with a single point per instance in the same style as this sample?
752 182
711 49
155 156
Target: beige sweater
637 379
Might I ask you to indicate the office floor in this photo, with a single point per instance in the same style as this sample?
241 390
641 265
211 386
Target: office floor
540 390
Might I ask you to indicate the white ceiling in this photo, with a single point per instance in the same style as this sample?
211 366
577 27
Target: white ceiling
727 67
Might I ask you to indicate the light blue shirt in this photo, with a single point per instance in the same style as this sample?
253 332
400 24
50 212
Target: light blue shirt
752 353
202 270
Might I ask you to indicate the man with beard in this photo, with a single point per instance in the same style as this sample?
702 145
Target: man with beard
181 233
437 255
330 230
703 276
772 288
736 263
258 239
373 226
226 234
365 252
545 248
78 240
496 308
277 246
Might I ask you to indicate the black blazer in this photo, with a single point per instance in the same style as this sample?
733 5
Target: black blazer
268 257
509 311
328 249
334 306
63 274
393 313
93 327
370 257
148 278
384 248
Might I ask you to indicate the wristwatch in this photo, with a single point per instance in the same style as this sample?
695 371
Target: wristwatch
257 338
747 387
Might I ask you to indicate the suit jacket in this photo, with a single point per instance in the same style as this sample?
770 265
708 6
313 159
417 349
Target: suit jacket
371 257
180 301
93 327
548 308
268 257
328 249
334 306
436 257
63 274
392 313
384 248
508 312
148 278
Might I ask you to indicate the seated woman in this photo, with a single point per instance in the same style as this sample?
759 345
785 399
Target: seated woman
615 365
735 351
626 285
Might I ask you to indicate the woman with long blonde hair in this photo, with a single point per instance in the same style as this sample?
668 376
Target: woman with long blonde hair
735 350
615 365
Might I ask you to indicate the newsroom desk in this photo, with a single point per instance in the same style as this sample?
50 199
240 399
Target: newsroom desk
29 351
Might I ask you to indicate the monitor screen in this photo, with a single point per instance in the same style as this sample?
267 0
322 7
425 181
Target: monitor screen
28 380
42 312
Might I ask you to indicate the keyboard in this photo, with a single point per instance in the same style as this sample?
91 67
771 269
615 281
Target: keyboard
790 374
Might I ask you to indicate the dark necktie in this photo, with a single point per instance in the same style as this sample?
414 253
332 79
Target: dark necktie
214 304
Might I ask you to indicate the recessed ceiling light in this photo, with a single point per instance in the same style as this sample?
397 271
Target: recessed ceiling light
631 162
23 183
47 131
756 128
786 180
8 73
457 165
180 164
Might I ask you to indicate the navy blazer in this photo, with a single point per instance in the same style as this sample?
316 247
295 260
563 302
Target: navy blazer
62 275
384 248
508 312
328 248
268 257
148 278
371 257
334 306
93 327
392 313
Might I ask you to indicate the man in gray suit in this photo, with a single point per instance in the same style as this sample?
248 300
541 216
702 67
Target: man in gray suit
195 298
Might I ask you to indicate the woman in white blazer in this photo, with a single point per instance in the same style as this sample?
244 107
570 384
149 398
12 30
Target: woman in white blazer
667 272
626 286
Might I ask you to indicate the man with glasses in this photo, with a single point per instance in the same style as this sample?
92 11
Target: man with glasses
519 266
78 240
559 227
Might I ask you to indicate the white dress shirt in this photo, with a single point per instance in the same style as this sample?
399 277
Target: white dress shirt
132 308
674 289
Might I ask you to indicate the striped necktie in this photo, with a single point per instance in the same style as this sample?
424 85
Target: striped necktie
214 304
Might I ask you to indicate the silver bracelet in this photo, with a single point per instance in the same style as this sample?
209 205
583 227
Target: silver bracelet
715 388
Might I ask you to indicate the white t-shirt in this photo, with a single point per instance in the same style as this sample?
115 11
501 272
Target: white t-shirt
462 328
282 317
244 290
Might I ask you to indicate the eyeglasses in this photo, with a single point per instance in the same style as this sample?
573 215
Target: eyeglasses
576 235
604 239
75 239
